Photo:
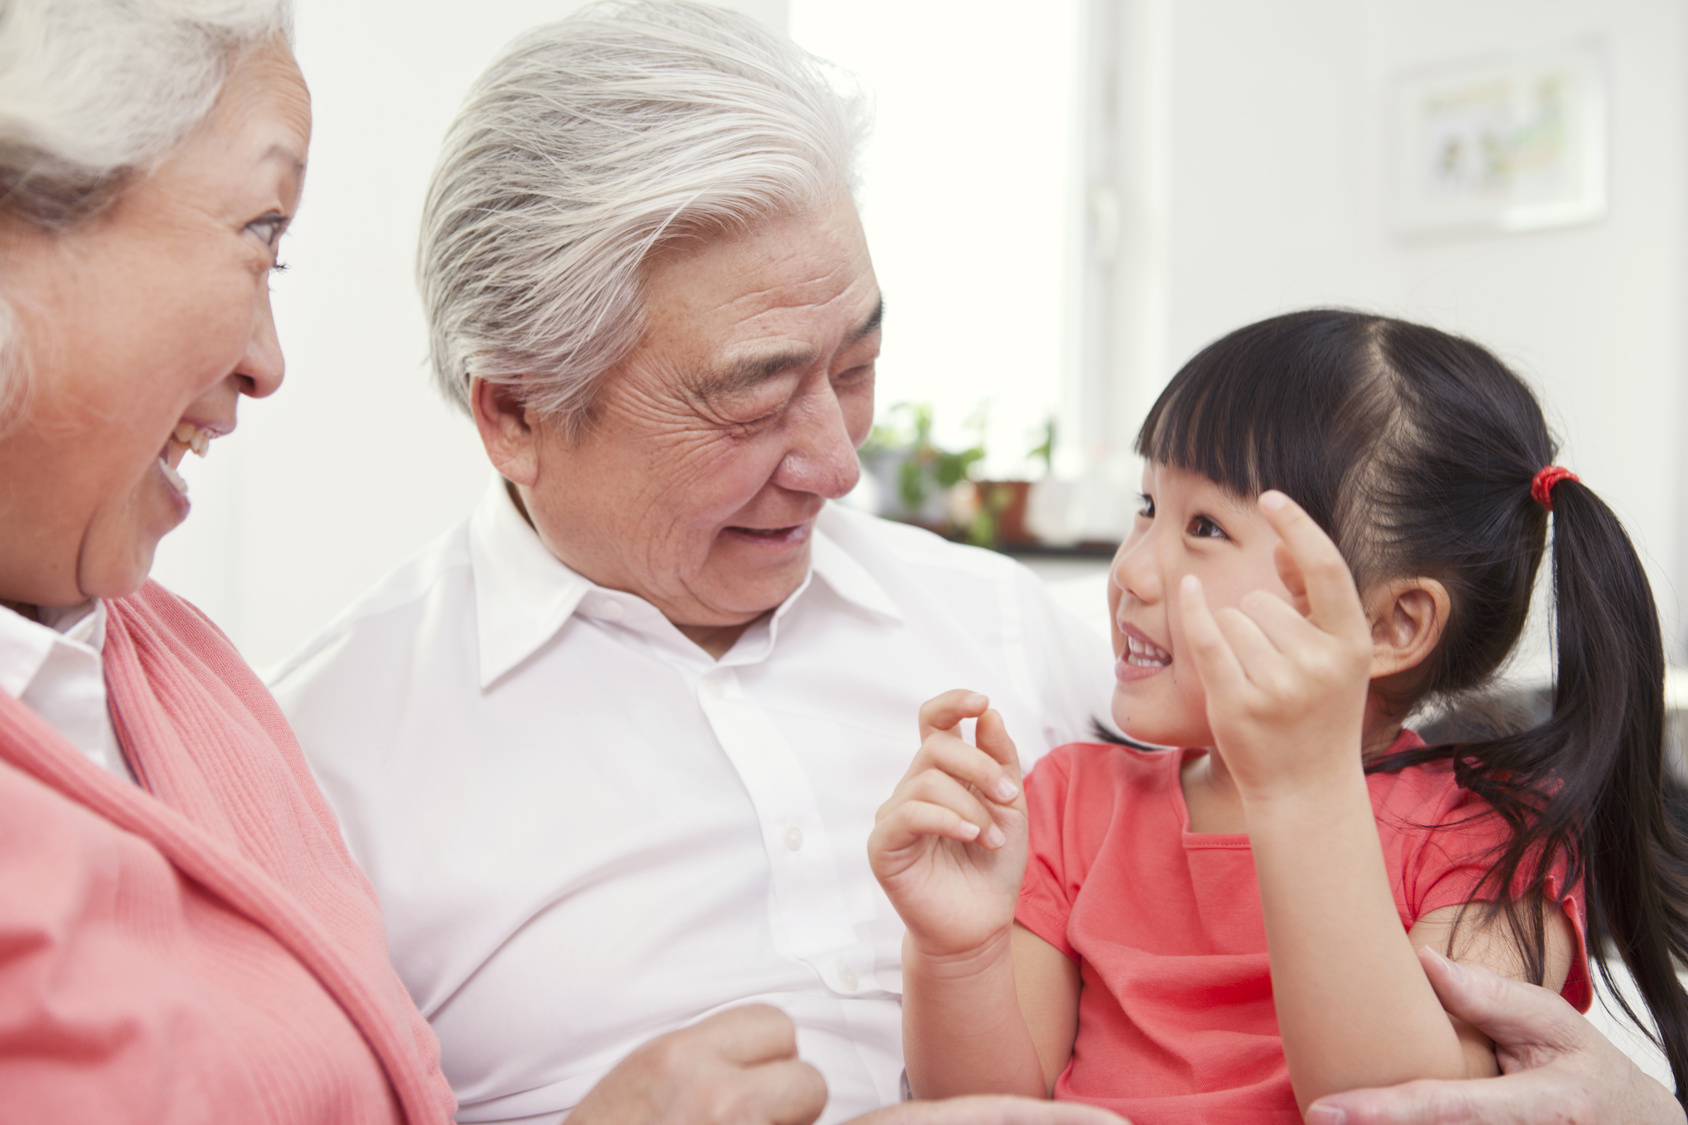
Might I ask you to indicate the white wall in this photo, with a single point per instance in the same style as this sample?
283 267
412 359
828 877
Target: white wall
1273 196
356 462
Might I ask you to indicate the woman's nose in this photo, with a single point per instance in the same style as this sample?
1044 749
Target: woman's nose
262 367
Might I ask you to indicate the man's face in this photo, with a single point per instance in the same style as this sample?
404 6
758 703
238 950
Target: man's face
715 443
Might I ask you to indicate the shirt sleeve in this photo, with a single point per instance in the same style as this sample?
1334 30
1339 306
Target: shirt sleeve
1450 866
1046 893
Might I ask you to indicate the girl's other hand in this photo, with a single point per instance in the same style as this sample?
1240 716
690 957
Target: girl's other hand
1285 683
949 847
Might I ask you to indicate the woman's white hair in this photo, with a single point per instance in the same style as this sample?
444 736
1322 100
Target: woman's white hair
95 92
586 145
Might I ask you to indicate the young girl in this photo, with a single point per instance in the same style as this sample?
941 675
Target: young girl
1342 518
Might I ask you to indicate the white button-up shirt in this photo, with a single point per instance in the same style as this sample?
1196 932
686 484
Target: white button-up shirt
585 831
55 668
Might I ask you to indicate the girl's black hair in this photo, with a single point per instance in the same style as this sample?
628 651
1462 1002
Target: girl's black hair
1415 451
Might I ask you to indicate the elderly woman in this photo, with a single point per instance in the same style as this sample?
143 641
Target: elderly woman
610 749
182 934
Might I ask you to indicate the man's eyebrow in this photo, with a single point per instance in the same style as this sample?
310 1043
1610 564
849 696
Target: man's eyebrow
755 370
872 324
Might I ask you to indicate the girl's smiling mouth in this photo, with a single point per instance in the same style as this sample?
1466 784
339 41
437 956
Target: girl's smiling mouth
1141 658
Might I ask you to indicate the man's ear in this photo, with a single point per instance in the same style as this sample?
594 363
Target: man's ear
1408 616
508 431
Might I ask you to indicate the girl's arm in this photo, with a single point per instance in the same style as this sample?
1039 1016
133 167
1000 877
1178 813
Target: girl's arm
949 848
1048 984
1286 692
1488 942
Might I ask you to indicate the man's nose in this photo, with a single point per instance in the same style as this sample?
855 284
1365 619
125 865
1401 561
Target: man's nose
822 458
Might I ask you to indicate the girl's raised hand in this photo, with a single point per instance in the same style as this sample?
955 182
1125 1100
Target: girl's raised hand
949 847
1286 684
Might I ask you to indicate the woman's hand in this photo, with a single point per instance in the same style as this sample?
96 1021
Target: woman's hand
1286 682
949 847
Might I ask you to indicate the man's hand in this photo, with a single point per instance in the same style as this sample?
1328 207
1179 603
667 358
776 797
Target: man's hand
990 1111
738 1067
1556 1069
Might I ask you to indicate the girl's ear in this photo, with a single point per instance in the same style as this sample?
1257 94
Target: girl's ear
1407 619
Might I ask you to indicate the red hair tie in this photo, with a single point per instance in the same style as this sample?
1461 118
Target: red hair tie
1541 489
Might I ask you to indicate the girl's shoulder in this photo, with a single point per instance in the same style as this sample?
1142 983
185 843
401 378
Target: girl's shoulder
1107 763
1425 795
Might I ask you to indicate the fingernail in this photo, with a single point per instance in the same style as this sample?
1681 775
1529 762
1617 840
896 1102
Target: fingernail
1271 500
1453 968
1326 1115
971 831
1006 790
1190 584
975 700
994 838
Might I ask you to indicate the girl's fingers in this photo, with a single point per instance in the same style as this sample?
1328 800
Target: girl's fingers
971 765
912 820
940 789
1215 663
1333 602
1259 658
992 735
1279 621
943 712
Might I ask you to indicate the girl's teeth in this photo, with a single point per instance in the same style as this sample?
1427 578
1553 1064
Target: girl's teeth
173 477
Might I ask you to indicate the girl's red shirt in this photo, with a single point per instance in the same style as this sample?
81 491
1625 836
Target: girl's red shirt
1176 1022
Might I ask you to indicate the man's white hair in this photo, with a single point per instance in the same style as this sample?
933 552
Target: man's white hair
587 144
93 93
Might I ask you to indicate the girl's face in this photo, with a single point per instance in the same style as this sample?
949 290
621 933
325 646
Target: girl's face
1187 525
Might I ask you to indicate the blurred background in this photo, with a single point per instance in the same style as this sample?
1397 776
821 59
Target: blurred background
1064 200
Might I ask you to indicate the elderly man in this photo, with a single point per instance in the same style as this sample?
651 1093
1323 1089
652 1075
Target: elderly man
610 750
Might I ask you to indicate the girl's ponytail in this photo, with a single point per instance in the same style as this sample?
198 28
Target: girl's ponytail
1604 746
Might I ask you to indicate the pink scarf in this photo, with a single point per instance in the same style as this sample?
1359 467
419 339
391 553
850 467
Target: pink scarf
200 947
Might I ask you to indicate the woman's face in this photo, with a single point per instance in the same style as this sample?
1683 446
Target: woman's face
141 328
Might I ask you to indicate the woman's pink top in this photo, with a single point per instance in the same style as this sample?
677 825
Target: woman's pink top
1176 1024
198 948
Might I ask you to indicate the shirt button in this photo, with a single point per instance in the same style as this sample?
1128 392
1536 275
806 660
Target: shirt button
712 689
794 842
612 610
847 978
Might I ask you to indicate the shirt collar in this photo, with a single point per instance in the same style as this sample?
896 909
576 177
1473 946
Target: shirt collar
524 593
847 577
25 644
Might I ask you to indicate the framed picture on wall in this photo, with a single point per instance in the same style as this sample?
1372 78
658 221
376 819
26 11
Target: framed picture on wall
1509 145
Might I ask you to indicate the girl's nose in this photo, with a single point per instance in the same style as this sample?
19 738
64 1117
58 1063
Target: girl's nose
1134 572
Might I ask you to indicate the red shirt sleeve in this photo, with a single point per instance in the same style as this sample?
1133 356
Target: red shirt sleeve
1047 892
1446 842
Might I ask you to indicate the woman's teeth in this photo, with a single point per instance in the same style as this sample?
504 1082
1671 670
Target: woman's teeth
1145 655
193 437
184 438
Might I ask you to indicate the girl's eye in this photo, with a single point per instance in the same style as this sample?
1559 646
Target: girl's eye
1145 505
1204 528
